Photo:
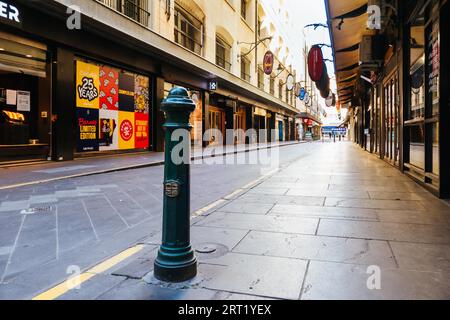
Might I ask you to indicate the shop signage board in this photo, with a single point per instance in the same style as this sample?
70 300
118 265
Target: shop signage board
213 85
268 62
116 103
10 13
315 63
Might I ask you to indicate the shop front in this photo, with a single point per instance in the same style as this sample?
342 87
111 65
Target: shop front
25 99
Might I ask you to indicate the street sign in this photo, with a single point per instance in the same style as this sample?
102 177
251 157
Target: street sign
268 62
315 63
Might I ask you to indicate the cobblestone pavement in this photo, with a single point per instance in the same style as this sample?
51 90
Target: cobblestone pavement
336 224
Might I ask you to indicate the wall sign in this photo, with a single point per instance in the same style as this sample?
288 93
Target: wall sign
24 101
9 13
268 62
290 82
213 85
315 63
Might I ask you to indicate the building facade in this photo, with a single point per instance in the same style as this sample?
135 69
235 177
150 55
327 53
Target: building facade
86 77
392 76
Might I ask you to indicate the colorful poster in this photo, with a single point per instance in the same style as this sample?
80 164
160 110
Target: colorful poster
141 94
87 130
142 129
126 130
126 92
88 85
109 88
108 130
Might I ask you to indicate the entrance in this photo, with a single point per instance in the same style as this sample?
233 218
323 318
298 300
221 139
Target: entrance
25 99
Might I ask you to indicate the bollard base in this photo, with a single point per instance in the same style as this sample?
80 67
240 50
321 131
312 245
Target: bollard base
178 273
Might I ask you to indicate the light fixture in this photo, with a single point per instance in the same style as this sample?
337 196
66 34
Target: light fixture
1 49
29 56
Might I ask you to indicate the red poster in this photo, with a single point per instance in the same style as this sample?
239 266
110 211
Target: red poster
109 89
142 131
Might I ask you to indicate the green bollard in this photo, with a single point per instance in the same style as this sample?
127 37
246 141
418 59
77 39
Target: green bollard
176 261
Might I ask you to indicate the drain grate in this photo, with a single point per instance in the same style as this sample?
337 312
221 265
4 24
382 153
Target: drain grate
37 210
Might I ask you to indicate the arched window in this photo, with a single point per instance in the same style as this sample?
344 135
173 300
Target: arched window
223 53
188 30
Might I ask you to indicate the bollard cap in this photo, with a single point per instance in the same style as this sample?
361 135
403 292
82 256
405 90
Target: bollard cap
178 100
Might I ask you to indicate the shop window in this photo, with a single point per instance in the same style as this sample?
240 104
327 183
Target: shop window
112 108
188 30
417 146
417 69
245 69
223 54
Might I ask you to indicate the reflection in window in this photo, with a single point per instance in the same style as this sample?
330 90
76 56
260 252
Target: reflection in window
417 69
188 30
417 146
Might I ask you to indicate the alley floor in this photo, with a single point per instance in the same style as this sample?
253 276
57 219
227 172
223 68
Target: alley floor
333 222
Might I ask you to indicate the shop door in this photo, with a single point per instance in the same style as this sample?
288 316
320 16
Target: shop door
216 122
280 130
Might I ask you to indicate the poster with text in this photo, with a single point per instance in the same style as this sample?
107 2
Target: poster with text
108 130
109 88
88 85
126 92
142 130
126 130
141 94
87 130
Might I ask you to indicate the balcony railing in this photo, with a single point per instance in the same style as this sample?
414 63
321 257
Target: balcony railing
245 76
223 63
187 34
134 9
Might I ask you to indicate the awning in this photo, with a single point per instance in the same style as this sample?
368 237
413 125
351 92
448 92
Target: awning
347 21
306 115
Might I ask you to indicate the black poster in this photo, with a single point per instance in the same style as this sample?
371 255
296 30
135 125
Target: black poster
87 130
126 92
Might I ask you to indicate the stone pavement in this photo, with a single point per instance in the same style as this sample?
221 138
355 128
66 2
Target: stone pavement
29 174
323 227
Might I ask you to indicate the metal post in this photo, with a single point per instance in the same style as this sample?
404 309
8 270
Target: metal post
176 261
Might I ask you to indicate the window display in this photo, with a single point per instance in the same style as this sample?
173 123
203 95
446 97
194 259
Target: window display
113 109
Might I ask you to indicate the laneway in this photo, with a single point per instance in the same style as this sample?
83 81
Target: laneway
78 222
337 223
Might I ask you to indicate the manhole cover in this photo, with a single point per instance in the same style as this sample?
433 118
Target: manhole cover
36 210
209 248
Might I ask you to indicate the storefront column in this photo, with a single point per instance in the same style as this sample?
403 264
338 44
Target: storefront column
62 109
158 116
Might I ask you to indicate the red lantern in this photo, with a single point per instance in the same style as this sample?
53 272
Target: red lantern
315 63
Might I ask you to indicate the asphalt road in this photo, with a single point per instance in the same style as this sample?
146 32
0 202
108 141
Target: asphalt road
79 222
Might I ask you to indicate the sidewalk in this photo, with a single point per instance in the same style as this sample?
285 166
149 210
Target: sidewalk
319 228
15 176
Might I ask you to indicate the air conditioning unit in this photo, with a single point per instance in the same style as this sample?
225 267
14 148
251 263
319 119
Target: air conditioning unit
371 52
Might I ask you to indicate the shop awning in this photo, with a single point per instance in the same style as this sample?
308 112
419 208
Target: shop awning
347 21
306 115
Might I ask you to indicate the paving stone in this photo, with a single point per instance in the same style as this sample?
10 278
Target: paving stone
374 204
270 277
93 288
243 207
323 212
380 195
422 257
308 247
331 281
270 191
328 193
261 223
415 217
385 231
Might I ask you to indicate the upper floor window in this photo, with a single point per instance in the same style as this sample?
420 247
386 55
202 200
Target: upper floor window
134 9
280 90
272 85
245 69
188 30
261 79
244 9
223 53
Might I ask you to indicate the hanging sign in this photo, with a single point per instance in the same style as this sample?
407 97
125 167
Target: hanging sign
268 62
302 94
315 63
290 82
213 85
331 100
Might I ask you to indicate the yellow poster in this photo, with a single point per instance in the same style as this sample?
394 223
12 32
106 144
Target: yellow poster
126 130
88 85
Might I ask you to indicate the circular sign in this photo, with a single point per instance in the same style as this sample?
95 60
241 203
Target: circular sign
290 82
126 130
268 62
315 63
302 94
331 100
